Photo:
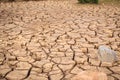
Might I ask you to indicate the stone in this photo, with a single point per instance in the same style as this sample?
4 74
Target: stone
90 75
105 54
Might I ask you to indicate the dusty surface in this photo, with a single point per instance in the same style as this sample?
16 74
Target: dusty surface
55 40
90 75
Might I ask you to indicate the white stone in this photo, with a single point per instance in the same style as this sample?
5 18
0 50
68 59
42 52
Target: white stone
106 54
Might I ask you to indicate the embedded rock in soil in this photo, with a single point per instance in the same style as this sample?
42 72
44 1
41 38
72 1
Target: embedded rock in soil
106 55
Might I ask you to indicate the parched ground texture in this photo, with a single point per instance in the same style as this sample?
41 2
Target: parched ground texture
55 40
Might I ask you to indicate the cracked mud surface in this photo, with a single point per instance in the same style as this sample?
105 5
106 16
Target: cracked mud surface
55 40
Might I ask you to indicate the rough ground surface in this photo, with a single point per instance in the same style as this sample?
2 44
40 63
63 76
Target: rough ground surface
55 40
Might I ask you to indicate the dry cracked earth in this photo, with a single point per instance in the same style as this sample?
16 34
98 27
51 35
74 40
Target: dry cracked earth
55 40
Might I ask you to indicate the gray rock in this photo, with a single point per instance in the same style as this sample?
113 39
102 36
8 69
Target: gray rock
105 54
